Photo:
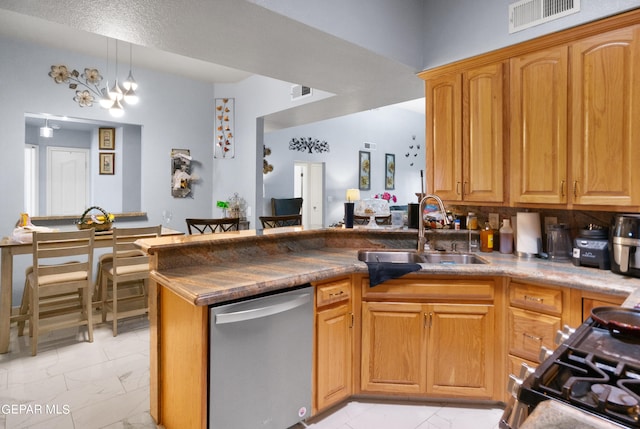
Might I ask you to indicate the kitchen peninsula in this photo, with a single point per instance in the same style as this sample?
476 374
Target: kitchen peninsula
189 274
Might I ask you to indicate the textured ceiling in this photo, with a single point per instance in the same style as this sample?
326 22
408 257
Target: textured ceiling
222 41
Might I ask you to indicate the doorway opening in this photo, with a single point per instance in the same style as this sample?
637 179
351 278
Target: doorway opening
308 184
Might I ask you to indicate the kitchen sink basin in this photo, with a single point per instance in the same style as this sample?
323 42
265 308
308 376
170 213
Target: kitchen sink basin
399 256
452 258
412 256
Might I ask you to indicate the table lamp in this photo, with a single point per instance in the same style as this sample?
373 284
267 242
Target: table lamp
352 195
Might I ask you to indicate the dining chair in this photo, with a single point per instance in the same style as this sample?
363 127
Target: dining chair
285 206
364 220
280 221
59 283
209 226
126 268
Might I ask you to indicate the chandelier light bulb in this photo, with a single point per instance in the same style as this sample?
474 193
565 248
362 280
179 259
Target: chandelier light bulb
115 92
105 100
116 109
130 83
130 97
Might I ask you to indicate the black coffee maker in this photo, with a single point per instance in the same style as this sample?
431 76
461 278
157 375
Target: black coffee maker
624 244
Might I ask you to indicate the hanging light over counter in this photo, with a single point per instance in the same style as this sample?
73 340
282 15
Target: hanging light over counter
88 86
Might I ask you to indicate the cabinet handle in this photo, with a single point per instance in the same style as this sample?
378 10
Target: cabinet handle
562 188
353 320
534 299
575 188
458 188
532 337
464 187
428 320
337 293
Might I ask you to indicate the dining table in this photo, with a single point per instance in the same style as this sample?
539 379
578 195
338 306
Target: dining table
10 247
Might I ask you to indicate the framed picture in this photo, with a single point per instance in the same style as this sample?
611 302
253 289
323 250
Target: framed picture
107 138
389 171
364 166
107 163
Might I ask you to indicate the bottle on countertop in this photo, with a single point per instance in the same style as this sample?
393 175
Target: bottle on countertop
506 237
486 238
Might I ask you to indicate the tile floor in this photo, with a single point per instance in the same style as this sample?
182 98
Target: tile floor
73 384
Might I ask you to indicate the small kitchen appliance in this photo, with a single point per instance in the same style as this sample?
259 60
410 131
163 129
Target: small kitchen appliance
558 242
624 244
596 369
591 247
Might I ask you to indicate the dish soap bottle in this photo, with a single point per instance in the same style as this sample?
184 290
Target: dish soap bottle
486 238
506 237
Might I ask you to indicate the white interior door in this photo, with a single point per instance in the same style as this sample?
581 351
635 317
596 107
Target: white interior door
309 185
67 180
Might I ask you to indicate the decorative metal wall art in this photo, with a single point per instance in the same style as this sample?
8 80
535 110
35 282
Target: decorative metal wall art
364 166
225 127
266 167
309 145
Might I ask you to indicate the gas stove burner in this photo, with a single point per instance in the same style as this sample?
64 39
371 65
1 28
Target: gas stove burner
616 399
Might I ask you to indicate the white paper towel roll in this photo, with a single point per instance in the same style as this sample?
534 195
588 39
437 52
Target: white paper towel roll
528 233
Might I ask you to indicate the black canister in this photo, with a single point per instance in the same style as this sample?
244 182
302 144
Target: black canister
413 215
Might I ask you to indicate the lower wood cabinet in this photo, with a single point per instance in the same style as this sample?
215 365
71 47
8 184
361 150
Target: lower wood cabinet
333 343
442 350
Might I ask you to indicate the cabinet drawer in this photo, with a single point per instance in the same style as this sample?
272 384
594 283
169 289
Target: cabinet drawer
536 298
416 288
529 331
332 292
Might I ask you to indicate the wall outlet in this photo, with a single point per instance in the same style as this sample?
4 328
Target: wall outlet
494 220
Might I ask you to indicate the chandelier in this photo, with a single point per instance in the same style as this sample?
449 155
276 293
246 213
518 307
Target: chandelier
89 89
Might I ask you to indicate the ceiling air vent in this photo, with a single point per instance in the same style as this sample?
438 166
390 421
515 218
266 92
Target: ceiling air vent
527 13
300 91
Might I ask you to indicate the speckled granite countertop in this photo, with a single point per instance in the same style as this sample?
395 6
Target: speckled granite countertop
210 269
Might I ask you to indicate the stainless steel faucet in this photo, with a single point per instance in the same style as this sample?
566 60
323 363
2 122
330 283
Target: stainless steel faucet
445 219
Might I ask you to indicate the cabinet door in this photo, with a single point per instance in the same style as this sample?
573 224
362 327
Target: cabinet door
538 106
334 355
605 104
444 140
393 347
461 352
482 134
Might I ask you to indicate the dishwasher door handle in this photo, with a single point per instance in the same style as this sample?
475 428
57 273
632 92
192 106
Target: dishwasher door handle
275 306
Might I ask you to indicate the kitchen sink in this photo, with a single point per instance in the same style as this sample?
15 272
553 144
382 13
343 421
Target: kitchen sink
390 255
412 256
452 258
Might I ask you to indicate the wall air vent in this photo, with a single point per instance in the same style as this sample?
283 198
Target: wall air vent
300 91
528 13
369 146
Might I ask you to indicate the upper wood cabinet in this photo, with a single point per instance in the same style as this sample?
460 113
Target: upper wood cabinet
538 101
464 113
605 98
603 74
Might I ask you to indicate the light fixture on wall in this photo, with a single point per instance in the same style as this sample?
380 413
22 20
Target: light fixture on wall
46 131
88 89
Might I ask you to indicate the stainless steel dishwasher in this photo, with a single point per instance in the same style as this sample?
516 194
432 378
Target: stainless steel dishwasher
260 361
